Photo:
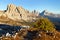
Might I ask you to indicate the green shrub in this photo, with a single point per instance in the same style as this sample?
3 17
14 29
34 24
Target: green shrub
44 24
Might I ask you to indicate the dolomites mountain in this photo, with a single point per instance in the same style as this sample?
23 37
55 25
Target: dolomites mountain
17 13
51 14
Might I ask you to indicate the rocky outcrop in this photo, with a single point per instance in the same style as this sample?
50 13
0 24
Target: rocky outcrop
17 13
12 12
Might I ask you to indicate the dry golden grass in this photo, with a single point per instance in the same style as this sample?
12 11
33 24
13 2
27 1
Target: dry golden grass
8 21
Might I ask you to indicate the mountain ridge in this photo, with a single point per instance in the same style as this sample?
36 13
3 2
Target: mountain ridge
16 13
48 13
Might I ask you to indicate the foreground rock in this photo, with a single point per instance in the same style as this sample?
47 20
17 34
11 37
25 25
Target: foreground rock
33 35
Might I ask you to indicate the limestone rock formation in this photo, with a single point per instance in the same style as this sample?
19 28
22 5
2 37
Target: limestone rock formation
12 12
17 13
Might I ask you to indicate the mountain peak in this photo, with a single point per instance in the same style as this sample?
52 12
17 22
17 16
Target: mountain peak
17 13
45 12
11 7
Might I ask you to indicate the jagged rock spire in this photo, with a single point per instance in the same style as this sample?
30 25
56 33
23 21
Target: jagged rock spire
11 8
17 13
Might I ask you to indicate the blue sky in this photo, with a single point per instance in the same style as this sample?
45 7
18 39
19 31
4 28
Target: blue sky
40 5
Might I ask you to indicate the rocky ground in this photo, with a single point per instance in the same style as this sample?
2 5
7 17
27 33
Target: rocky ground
27 34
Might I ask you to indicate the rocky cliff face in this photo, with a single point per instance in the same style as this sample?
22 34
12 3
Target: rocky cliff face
17 13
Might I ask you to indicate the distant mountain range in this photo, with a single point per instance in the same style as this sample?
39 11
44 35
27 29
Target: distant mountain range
17 13
51 14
